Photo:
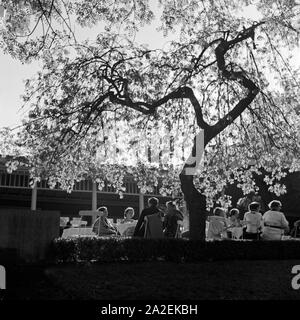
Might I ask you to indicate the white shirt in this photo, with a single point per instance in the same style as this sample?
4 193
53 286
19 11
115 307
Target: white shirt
253 221
277 219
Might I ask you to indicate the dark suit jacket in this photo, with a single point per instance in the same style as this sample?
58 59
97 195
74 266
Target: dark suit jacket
170 223
139 230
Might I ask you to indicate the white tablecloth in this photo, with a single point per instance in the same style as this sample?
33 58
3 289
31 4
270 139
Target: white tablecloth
124 226
75 232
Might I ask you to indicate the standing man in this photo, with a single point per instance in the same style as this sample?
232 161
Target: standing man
139 230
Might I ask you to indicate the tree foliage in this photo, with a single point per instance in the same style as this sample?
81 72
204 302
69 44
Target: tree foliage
97 106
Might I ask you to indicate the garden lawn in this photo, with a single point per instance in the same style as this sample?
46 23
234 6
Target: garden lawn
164 280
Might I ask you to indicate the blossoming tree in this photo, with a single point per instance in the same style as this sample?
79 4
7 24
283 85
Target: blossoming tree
112 106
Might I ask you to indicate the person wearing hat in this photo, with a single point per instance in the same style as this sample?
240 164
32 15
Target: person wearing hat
274 222
252 221
102 226
217 225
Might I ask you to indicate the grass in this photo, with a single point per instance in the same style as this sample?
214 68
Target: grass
233 280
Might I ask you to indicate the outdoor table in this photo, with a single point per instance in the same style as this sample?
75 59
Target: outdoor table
124 226
288 238
75 232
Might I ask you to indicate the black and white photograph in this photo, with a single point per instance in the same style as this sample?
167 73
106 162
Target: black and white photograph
149 155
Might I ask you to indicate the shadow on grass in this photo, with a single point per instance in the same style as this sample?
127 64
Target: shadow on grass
232 280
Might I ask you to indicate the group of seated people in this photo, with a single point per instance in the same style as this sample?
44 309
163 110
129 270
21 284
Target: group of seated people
168 220
272 225
102 226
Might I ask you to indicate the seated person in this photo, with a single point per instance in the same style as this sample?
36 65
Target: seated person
128 218
170 220
102 226
274 222
253 222
235 229
152 209
128 215
217 225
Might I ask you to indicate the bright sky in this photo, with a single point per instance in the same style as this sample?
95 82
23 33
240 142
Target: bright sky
11 87
13 73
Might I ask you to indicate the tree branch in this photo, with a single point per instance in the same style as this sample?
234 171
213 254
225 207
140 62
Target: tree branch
150 108
239 76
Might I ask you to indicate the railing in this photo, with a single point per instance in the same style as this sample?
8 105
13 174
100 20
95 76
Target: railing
20 179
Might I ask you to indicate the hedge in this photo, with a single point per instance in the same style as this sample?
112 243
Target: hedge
8 256
84 249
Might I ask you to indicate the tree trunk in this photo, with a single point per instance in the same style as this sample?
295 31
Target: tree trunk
196 202
196 206
197 217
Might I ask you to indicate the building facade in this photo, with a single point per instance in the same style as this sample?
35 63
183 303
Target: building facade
16 192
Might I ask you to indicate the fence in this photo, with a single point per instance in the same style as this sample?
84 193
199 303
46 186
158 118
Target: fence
20 179
29 232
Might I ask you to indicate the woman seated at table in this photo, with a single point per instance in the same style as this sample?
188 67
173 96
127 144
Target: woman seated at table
217 225
128 218
274 222
102 227
128 215
253 222
235 227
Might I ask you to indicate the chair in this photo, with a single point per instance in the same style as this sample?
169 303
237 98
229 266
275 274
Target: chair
76 222
216 228
237 233
153 227
63 221
128 232
179 229
91 214
296 228
83 223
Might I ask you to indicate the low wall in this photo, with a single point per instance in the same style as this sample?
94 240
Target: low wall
28 232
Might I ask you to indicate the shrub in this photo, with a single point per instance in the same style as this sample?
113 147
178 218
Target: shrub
8 256
100 250
63 250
